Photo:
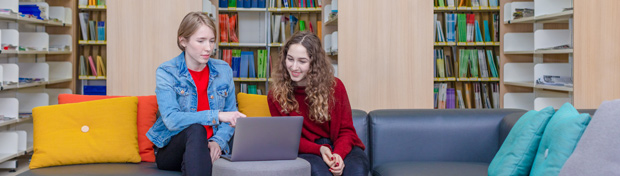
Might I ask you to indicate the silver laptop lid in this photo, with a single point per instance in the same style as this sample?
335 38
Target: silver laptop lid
267 138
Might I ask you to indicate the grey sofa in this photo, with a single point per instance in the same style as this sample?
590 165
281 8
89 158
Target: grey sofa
398 142
434 142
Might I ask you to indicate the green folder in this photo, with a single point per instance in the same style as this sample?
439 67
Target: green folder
463 63
232 3
302 25
252 89
474 62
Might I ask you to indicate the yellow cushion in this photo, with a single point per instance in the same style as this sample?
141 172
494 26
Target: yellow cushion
102 131
253 105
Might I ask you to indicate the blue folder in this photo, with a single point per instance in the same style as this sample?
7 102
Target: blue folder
224 3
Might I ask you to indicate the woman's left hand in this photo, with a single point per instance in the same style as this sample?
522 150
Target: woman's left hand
216 151
339 166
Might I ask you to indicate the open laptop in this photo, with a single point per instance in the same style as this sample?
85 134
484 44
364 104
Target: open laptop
266 138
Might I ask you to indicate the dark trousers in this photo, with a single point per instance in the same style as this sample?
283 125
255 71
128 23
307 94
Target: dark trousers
187 152
355 163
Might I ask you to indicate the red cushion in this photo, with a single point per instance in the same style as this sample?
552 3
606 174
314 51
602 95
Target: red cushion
147 115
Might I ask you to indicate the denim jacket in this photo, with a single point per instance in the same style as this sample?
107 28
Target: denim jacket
177 101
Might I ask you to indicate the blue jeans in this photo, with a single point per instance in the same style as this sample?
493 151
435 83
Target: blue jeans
187 152
355 163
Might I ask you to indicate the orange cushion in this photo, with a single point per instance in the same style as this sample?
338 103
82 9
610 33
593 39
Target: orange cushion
147 115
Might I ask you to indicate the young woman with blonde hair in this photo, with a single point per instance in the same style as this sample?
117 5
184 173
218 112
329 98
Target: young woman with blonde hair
196 99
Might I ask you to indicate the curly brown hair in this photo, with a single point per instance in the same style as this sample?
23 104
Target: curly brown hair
320 78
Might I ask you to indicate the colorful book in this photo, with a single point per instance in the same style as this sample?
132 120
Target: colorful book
492 64
487 33
101 30
473 57
82 66
93 68
100 66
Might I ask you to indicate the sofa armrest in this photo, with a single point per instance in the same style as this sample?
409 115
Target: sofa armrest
506 125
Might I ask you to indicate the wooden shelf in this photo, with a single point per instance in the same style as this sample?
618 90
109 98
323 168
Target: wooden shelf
56 81
34 84
332 22
250 79
561 17
453 79
5 157
92 78
467 43
223 44
92 7
14 121
235 9
276 45
294 9
92 42
60 52
32 52
534 85
35 52
466 9
332 53
557 51
19 19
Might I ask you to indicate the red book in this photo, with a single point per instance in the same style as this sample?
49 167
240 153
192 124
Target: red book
92 65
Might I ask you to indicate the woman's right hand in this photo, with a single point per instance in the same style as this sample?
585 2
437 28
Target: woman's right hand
327 156
230 117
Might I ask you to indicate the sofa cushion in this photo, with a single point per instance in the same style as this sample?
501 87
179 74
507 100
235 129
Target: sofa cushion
101 131
253 105
597 151
142 169
431 168
559 140
406 135
147 115
517 153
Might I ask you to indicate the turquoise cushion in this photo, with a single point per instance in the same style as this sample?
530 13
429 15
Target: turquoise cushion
516 155
559 140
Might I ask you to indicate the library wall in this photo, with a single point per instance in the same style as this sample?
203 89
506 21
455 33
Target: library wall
596 51
385 53
151 40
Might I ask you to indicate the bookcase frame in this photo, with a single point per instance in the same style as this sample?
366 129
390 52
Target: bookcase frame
55 67
454 47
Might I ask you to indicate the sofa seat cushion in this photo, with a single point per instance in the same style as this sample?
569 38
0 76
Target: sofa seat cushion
142 169
432 168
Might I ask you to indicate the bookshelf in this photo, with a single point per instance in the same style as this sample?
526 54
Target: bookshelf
330 31
257 36
92 57
531 52
466 48
36 65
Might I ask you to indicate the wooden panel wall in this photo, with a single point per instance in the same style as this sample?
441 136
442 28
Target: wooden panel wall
596 52
141 36
385 53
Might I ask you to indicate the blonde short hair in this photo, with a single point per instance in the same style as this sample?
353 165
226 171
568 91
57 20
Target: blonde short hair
190 24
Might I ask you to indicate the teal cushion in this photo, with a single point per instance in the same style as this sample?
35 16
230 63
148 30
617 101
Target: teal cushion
516 155
559 140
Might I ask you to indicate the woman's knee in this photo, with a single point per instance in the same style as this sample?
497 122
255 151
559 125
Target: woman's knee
196 130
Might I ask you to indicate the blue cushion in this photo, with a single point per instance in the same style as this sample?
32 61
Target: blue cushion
559 140
516 155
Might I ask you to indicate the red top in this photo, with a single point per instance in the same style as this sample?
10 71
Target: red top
201 79
339 129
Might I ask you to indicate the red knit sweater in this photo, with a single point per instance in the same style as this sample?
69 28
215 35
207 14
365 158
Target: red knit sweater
339 129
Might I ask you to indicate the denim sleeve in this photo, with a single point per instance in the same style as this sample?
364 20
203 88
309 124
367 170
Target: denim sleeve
225 131
171 114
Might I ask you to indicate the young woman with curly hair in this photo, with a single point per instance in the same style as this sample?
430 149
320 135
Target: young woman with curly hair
304 85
